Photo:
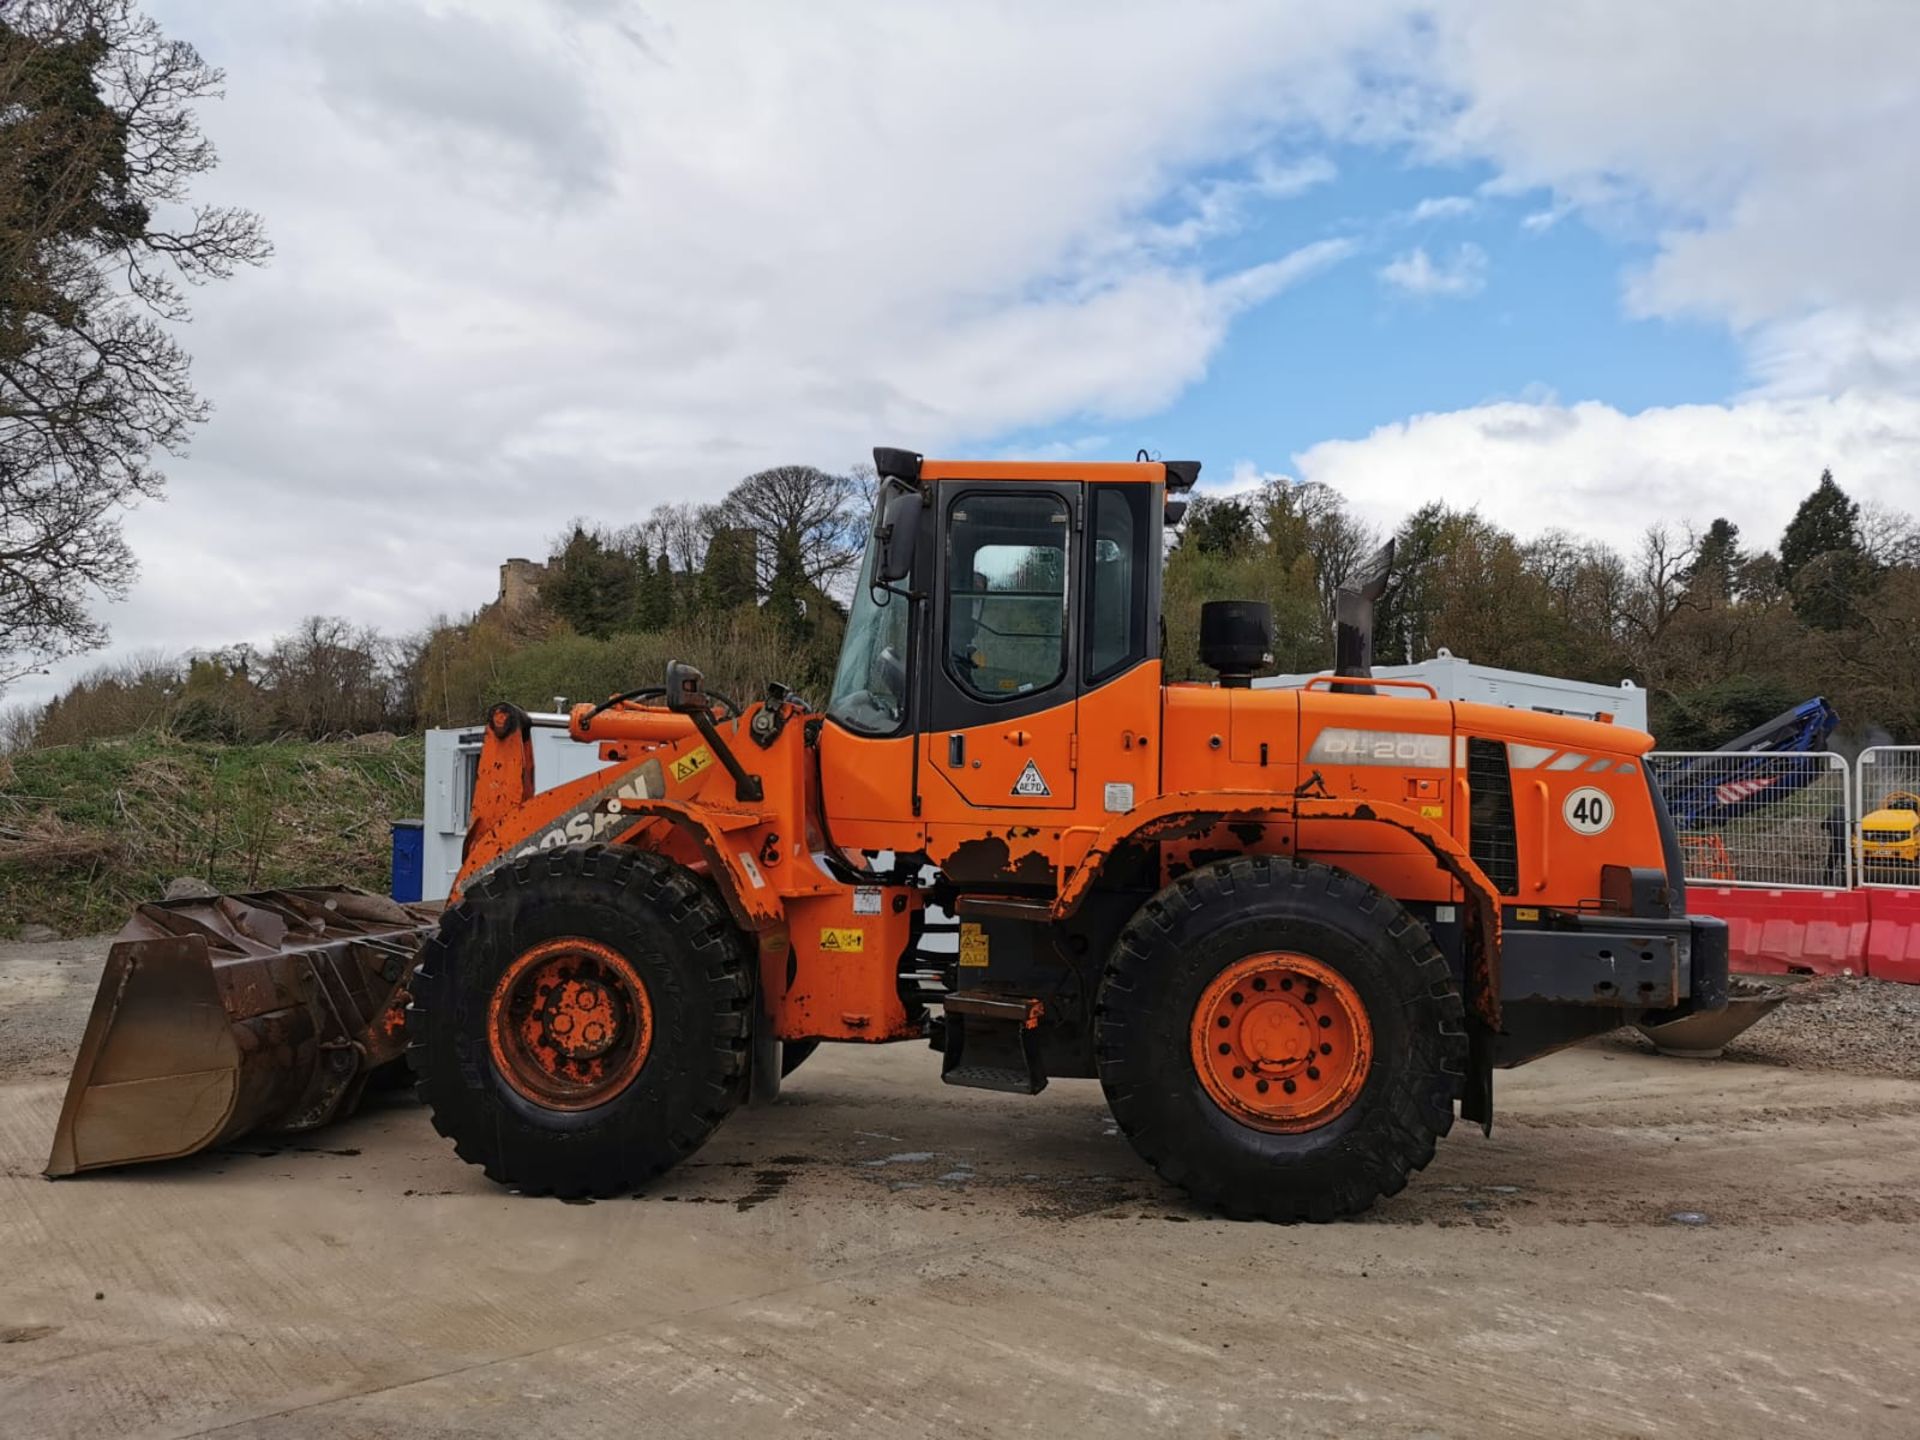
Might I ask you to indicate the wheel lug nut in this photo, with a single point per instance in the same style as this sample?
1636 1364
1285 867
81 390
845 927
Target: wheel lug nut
1260 982
1326 1022
1225 1022
1325 1049
1287 1085
1239 1072
1237 998
1225 1049
1287 983
1312 997
1261 1086
1313 1072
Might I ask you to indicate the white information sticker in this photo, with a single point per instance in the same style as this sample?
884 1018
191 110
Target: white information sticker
866 900
753 870
1118 796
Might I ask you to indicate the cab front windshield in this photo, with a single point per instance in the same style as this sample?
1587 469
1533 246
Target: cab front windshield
870 684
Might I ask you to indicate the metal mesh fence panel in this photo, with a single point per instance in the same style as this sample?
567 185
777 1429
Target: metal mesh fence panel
1761 817
1887 804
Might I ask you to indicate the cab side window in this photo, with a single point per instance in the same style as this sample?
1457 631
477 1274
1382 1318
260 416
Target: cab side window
1006 593
1116 616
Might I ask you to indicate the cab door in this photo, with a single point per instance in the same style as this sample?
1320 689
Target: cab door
1002 676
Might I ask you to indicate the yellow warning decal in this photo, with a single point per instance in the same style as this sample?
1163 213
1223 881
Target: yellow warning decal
1433 812
692 763
973 946
1524 912
842 941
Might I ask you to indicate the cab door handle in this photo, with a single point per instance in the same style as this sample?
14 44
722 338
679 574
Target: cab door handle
956 752
1015 737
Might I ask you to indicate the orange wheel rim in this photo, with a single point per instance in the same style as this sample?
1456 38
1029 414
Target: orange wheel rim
1281 1042
569 1024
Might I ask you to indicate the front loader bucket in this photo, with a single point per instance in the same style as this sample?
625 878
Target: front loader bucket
223 1016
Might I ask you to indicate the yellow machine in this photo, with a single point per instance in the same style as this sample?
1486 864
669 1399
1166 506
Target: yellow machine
1891 833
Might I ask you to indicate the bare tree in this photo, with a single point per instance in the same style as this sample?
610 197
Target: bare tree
680 533
328 678
1889 537
1660 593
98 143
812 514
1313 518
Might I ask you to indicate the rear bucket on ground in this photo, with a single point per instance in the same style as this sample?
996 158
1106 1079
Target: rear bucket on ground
218 1017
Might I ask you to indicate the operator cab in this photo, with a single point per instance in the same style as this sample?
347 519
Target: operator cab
1002 589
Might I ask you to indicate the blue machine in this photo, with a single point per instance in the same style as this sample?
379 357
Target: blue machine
1707 791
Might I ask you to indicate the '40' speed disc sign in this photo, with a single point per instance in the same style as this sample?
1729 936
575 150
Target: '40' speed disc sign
1587 810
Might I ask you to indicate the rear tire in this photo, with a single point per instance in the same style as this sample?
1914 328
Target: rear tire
647 945
1177 959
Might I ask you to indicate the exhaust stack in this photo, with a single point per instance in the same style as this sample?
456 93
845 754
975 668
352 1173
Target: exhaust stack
1353 619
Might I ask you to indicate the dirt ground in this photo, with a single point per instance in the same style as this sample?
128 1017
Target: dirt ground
1645 1246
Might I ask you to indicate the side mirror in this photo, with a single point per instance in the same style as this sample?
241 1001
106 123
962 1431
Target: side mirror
898 534
686 689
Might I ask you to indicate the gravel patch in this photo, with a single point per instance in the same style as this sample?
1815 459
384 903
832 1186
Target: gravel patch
1830 1022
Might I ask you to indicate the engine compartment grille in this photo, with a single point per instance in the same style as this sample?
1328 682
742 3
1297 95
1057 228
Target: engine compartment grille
1491 839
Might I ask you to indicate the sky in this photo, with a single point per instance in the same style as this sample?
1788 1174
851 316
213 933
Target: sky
1591 266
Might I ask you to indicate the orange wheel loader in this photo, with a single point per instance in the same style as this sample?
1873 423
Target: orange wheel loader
1290 932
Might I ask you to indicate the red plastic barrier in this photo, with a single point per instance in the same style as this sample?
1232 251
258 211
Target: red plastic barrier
1773 932
1893 935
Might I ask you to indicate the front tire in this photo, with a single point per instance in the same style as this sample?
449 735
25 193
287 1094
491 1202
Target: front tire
1280 1039
580 1020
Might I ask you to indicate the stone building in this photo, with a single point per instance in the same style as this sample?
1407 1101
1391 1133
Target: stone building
520 582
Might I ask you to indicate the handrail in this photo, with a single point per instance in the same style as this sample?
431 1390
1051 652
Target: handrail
1332 680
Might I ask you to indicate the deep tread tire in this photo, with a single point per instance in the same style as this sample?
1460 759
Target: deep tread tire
1215 915
695 963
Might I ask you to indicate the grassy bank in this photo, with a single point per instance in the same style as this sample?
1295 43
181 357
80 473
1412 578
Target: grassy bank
89 830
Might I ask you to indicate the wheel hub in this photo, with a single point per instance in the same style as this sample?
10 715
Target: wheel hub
578 1019
1281 1042
570 1024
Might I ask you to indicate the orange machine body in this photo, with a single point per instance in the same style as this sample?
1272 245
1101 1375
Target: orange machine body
1032 815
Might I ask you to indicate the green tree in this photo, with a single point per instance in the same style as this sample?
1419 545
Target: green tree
1404 619
727 572
1822 561
591 585
1710 715
788 600
1220 526
653 609
1716 563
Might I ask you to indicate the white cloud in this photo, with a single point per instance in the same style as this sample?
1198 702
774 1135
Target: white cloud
543 260
1770 149
1597 472
1441 207
1218 207
1417 273
1838 349
1244 478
